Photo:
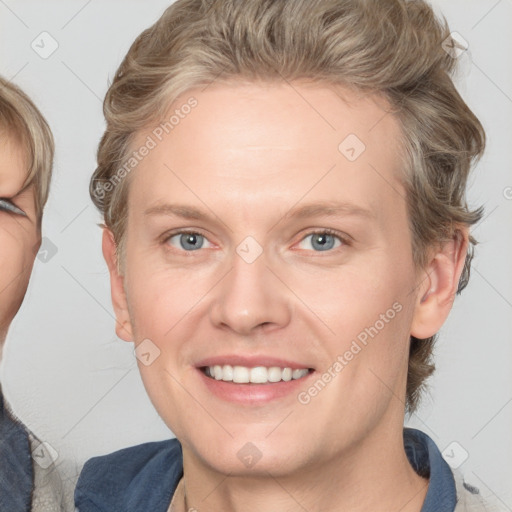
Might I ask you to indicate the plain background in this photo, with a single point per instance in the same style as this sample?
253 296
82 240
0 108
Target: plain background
77 386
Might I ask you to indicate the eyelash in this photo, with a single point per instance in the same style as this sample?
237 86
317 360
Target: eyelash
326 231
7 205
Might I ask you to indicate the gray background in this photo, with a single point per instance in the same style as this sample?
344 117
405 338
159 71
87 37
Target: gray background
77 386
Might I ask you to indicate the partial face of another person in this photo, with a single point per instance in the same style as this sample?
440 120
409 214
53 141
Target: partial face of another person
269 229
19 231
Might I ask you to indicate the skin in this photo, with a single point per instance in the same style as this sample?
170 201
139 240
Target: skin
20 235
247 155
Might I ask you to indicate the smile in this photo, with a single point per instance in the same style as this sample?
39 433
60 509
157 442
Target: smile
253 375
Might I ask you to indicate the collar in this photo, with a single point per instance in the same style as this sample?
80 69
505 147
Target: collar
426 459
135 479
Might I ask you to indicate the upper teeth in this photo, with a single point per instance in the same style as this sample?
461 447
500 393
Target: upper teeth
256 375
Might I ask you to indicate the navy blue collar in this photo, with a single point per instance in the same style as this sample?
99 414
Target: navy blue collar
426 459
16 474
144 477
136 479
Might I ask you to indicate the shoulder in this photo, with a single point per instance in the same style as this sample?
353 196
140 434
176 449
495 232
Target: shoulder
469 498
15 462
447 486
48 493
141 477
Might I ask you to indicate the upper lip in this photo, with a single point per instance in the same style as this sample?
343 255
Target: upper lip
251 361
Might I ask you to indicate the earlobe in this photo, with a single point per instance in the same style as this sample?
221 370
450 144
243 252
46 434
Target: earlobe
119 301
438 285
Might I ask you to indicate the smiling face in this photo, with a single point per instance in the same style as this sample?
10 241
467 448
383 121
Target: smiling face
19 232
262 234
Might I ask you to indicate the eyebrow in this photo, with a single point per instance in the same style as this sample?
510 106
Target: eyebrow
317 209
330 209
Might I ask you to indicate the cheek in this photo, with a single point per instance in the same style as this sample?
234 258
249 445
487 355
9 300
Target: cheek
356 297
369 308
16 261
158 299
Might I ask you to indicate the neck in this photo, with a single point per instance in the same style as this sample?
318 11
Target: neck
373 476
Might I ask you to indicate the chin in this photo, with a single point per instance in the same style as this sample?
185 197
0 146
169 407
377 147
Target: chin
248 455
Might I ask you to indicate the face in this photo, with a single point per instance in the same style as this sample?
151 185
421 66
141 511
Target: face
268 240
19 232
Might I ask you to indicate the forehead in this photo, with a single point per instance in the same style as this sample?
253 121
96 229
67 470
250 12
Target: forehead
271 139
13 167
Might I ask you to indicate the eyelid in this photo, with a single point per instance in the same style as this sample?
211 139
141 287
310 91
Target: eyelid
183 231
8 205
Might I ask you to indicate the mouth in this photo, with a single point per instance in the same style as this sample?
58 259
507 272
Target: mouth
255 374
253 380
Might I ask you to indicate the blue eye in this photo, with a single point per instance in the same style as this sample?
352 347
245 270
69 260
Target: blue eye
188 241
323 241
8 206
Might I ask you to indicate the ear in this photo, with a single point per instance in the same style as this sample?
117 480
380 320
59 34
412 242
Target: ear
438 285
123 324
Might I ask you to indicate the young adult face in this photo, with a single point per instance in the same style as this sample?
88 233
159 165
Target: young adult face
19 231
249 158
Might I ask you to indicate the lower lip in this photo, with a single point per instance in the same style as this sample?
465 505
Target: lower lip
253 394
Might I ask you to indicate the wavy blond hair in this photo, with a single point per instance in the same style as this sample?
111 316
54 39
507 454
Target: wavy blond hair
388 47
21 120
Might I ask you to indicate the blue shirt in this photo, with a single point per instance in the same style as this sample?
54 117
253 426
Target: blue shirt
16 473
144 477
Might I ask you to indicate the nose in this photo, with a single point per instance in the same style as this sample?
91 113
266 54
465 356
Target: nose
249 297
